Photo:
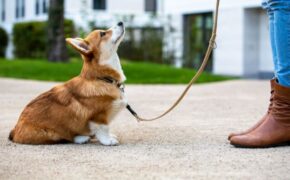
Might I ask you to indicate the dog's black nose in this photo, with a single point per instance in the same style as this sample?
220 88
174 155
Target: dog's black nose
120 24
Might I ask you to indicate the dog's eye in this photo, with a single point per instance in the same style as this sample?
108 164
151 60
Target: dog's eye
102 34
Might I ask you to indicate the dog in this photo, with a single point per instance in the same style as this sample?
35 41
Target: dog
83 107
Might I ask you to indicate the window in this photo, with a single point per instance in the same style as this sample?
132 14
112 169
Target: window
40 7
36 7
23 8
150 5
3 10
17 9
197 33
44 7
20 9
99 4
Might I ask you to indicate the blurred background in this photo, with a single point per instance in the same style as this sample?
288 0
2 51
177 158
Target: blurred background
165 39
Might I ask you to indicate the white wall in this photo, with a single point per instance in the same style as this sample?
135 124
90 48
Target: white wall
82 12
243 41
189 6
29 9
174 39
251 49
10 11
228 57
8 24
257 53
126 7
265 56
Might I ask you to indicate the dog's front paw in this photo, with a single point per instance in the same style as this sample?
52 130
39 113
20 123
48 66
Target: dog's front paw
109 141
81 139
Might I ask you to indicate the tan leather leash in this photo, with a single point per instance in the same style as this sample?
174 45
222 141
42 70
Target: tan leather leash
210 48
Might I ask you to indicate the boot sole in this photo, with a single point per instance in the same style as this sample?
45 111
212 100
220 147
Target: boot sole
259 147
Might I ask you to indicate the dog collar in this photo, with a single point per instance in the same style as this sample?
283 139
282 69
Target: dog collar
113 81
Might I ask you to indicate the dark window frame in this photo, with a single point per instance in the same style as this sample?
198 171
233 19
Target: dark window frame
23 8
99 4
41 7
17 9
37 10
20 9
3 12
150 6
44 7
197 34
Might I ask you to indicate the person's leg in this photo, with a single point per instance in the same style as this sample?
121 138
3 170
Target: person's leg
272 84
271 18
272 38
275 129
281 10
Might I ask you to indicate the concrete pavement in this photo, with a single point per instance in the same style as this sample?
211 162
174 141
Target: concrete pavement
190 143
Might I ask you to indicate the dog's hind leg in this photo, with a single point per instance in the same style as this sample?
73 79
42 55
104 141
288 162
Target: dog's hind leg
11 135
28 134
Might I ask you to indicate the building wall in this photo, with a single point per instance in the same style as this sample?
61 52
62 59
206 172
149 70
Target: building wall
228 57
257 50
11 19
126 7
251 49
265 56
82 11
243 37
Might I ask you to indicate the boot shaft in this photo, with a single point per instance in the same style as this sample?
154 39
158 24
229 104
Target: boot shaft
272 84
281 103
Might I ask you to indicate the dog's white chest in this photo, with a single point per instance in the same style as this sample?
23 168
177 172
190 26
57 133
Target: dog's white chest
114 62
117 106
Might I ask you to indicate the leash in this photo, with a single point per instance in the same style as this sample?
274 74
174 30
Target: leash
211 46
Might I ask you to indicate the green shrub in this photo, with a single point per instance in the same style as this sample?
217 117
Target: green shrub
148 46
30 38
143 44
4 42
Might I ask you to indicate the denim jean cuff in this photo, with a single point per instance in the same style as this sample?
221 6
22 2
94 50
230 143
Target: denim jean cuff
276 5
265 5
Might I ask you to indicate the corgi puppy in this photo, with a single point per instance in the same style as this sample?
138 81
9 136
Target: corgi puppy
82 107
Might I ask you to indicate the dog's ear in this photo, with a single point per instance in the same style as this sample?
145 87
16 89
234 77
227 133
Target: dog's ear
80 45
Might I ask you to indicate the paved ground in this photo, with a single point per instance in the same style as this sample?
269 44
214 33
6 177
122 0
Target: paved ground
190 143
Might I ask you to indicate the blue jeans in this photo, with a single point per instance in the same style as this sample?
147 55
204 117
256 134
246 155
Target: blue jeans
279 24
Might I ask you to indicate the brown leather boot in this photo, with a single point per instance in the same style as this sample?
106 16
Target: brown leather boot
275 129
272 83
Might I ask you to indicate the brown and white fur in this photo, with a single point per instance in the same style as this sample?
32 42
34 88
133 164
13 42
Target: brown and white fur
84 106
